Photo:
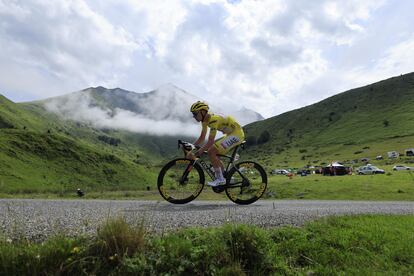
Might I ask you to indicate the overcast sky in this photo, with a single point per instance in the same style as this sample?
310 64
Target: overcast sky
269 56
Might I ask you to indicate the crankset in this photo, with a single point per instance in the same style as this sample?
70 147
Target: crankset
218 189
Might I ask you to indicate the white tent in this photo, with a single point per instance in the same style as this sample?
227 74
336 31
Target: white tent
393 154
335 164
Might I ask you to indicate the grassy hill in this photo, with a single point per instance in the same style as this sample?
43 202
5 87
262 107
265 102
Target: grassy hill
41 153
362 122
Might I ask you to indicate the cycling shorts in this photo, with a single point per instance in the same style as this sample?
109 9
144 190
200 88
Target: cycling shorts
229 141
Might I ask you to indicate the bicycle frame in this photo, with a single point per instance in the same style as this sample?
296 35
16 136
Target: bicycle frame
246 181
206 167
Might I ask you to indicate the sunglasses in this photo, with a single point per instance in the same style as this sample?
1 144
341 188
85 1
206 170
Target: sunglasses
195 114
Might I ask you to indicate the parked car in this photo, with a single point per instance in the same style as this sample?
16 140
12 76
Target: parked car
401 168
370 170
303 172
284 172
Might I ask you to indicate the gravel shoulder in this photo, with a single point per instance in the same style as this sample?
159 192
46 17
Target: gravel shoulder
39 219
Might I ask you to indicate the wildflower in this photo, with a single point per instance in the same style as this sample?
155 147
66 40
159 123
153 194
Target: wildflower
75 250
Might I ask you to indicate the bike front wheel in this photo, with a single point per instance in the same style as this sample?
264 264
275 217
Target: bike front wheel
180 181
246 182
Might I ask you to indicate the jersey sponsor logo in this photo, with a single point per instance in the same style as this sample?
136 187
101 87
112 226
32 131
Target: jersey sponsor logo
230 141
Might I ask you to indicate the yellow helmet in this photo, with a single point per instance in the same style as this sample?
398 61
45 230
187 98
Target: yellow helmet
198 106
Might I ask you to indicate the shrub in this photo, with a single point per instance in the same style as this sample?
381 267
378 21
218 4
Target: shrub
109 140
116 238
251 140
264 137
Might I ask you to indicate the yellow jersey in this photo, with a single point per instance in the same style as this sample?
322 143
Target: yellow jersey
225 124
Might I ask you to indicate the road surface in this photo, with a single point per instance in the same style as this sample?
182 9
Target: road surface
39 219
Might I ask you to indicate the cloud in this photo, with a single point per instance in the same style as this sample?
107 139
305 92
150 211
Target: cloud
397 59
270 55
63 40
80 107
280 54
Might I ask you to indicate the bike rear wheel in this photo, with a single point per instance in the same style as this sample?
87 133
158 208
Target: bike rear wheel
247 183
180 182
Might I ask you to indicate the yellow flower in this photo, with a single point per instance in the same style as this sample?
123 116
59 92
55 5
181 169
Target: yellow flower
75 250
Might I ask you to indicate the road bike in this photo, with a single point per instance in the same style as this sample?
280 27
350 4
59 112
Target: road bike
182 180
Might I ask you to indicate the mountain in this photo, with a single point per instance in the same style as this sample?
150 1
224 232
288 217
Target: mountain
246 116
95 139
362 122
138 112
41 153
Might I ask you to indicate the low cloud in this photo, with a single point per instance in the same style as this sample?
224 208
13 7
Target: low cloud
79 107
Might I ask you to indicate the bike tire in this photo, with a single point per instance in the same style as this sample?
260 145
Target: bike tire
257 183
170 186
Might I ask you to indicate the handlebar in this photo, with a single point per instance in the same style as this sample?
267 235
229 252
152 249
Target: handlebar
187 146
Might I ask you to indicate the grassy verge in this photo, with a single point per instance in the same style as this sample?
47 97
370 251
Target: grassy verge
391 186
339 245
396 185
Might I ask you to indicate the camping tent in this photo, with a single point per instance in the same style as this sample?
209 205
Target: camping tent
335 168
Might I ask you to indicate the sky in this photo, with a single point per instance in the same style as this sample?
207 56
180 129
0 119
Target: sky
268 56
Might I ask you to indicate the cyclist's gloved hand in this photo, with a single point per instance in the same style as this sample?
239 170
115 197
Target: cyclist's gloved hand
188 146
190 155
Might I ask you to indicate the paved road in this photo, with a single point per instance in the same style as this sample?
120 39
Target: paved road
38 219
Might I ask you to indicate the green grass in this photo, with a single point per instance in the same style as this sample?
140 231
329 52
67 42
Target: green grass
354 245
337 127
33 162
395 185
390 186
42 154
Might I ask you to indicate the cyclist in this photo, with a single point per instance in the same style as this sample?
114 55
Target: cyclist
233 136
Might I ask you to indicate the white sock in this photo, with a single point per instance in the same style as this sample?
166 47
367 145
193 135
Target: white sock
219 174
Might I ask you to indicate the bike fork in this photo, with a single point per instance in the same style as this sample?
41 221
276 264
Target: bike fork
184 177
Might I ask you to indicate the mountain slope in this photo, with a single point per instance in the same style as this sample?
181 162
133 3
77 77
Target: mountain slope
38 152
167 103
370 120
